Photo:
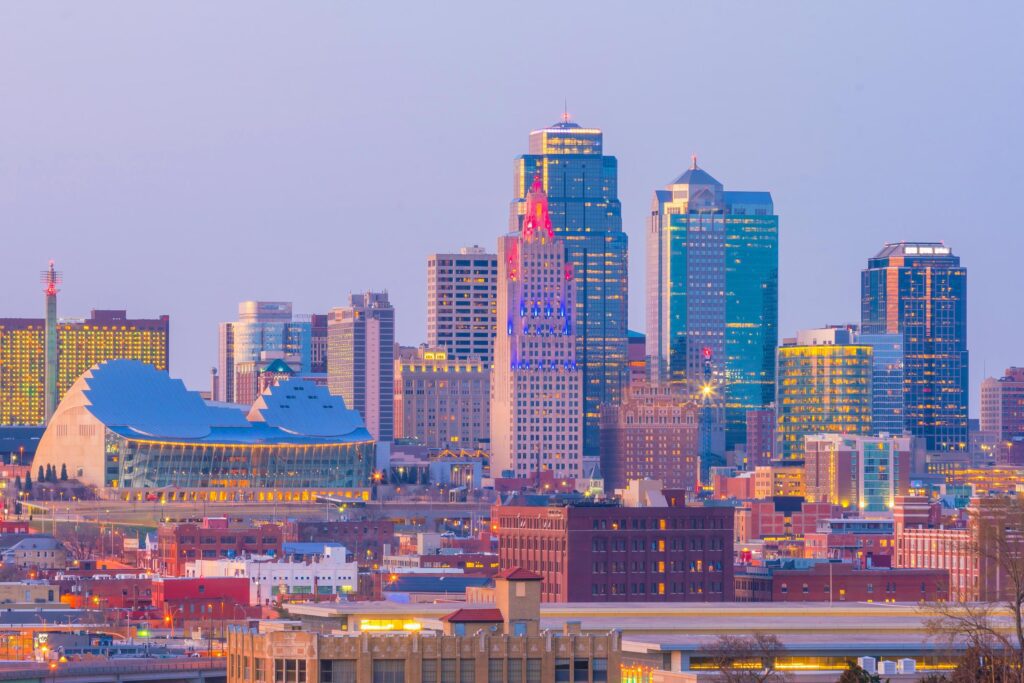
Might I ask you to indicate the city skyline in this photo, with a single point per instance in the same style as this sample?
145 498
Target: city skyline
814 159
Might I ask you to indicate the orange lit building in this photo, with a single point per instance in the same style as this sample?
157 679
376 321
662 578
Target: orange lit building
104 335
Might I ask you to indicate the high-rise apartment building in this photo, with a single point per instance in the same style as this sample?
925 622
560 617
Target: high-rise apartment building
80 344
919 290
824 386
462 290
712 288
361 359
760 436
262 326
536 384
863 473
1002 405
651 434
441 402
886 382
581 183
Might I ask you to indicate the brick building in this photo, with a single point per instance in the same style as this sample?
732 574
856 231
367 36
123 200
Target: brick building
780 517
364 539
651 434
648 547
214 538
760 436
867 542
220 599
920 543
839 582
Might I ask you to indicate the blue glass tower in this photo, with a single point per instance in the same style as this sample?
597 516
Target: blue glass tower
919 290
581 183
712 290
886 382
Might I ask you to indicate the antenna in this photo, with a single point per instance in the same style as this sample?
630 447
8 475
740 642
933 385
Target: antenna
51 278
565 110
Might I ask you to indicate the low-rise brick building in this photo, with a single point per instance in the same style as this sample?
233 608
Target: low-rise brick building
839 582
178 544
648 547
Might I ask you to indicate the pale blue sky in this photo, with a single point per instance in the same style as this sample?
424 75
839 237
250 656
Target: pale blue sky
178 157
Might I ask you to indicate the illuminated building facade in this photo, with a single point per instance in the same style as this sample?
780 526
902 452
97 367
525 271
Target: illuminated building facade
536 384
462 291
824 386
262 326
581 183
651 434
441 402
253 377
104 335
361 359
863 473
125 425
712 284
919 290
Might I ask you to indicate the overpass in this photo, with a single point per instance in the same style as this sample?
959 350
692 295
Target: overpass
124 671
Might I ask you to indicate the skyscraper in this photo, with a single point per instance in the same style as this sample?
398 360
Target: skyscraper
886 382
536 384
824 387
80 344
361 359
919 290
712 287
581 183
261 326
461 303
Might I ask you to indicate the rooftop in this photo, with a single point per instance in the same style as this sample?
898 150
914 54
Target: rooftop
137 401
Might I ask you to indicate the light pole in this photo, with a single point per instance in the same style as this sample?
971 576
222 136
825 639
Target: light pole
169 618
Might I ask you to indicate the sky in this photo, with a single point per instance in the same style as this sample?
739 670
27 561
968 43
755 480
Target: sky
180 157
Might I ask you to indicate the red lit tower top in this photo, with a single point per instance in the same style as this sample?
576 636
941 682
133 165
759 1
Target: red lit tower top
51 278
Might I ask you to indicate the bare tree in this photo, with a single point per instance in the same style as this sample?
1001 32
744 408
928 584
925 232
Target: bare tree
746 659
990 622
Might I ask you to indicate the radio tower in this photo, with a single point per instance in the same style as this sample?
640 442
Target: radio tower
50 278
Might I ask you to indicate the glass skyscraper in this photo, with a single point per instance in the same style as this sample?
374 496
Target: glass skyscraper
919 290
886 382
712 289
581 183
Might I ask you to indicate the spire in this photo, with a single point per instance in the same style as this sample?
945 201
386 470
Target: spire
536 219
693 161
565 111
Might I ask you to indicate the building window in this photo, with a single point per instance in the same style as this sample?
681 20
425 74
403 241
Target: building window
467 671
428 671
389 671
533 670
562 671
515 671
447 670
600 670
581 671
289 671
496 671
337 671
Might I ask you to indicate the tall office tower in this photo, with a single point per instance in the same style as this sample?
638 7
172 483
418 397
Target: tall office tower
582 188
824 387
51 278
361 359
1002 405
863 473
462 292
261 326
886 382
919 290
712 284
104 335
442 402
536 384
318 344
